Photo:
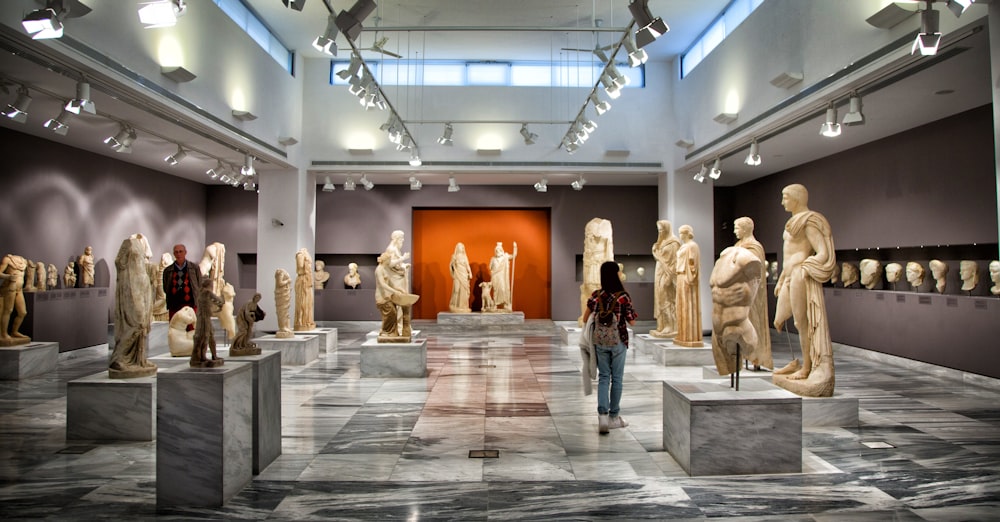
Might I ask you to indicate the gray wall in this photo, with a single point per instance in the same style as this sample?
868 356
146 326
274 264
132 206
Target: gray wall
231 219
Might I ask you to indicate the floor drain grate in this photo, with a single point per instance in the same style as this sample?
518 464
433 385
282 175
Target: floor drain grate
877 444
484 454
487 366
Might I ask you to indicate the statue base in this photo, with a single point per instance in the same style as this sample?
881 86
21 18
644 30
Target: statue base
689 344
28 360
239 352
15 341
132 373
305 327
284 334
394 338
209 363
660 334
101 408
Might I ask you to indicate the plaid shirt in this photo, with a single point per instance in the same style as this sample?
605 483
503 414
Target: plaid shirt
626 313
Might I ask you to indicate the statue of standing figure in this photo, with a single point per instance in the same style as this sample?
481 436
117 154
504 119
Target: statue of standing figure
86 265
283 303
688 270
12 269
461 277
761 356
392 295
501 275
204 336
665 277
598 247
133 310
304 308
160 312
69 275
53 277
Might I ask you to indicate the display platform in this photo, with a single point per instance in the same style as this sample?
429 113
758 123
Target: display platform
266 404
101 408
570 335
75 317
28 360
710 372
480 318
295 351
204 434
711 429
836 411
666 353
327 338
394 359
373 335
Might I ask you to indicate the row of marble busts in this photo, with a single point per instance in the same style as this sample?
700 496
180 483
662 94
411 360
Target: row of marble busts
321 277
869 272
39 277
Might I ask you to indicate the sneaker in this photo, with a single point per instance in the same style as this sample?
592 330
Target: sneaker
617 422
602 423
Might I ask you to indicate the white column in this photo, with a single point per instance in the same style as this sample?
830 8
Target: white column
994 24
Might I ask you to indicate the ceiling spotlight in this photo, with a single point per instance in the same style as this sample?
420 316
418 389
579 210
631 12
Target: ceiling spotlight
366 183
294 4
958 7
82 102
599 106
753 159
649 28
579 183
18 110
529 137
610 87
176 157
217 171
716 172
830 128
700 175
349 184
59 124
445 138
161 13
542 185
250 185
247 169
930 35
415 184
854 115
326 42
352 68
349 21
122 142
45 23
415 160
636 56
453 185
328 186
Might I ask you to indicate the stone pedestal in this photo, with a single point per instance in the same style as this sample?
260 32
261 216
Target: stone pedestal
157 339
835 411
666 353
710 372
373 335
394 359
204 435
710 429
295 351
327 338
28 360
101 408
266 405
480 318
570 335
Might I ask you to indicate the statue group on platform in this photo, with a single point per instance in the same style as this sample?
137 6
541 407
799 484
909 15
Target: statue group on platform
392 292
497 293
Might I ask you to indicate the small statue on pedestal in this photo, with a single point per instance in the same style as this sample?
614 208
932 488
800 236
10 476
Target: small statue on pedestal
204 337
249 314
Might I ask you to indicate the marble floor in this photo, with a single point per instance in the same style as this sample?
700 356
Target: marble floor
926 448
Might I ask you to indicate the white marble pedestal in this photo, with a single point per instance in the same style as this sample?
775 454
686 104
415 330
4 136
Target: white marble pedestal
373 335
710 429
101 408
27 360
666 353
204 435
266 405
570 335
295 351
327 338
394 359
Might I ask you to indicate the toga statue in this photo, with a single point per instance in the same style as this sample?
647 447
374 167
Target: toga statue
242 342
204 336
12 269
808 260
501 275
304 309
213 267
461 277
665 277
761 356
160 312
133 305
283 303
736 279
688 290
86 265
598 247
320 276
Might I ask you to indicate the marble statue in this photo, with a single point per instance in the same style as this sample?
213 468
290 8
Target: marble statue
761 356
304 307
598 247
41 276
29 277
242 342
133 309
225 313
488 304
12 269
353 279
160 312
665 278
283 303
735 281
774 270
939 271
461 277
392 295
213 267
688 290
180 339
995 277
86 263
968 272
640 271
809 257
915 274
53 277
204 336
871 273
69 275
320 275
502 277
848 274
893 273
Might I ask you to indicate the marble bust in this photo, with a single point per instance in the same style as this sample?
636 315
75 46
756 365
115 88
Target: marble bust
939 271
353 278
871 273
995 277
893 272
968 272
915 274
848 274
320 275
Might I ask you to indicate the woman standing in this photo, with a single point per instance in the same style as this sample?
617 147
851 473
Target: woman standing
610 358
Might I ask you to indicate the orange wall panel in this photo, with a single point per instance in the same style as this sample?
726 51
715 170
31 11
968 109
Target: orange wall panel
435 233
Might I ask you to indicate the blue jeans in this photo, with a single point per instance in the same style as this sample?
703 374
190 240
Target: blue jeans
610 372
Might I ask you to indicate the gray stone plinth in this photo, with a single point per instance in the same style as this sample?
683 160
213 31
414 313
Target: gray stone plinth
671 355
101 408
710 429
266 405
295 351
157 339
27 360
327 338
710 372
394 359
373 335
829 411
570 335
480 318
204 434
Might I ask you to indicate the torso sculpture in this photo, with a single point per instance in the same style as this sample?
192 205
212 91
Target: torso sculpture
304 292
665 276
225 313
735 281
180 339
598 247
761 355
500 277
688 290
808 262
204 336
461 276
245 319
133 305
213 267
283 303
12 269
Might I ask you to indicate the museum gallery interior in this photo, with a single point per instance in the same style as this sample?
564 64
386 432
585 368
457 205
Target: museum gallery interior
359 259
